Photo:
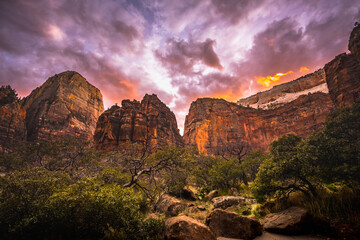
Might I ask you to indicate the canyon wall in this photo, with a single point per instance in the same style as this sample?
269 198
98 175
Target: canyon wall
343 74
211 122
149 122
66 105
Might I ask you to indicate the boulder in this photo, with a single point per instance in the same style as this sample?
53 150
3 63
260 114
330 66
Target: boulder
169 205
292 221
228 201
186 228
211 195
232 225
188 194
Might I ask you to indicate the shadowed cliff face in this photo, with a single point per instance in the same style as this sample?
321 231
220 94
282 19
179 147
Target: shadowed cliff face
148 122
66 105
343 74
211 122
12 124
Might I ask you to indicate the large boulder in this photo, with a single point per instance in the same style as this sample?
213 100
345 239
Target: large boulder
186 228
169 205
232 225
228 201
292 221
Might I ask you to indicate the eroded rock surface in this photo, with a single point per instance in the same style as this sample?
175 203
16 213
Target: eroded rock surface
292 221
186 228
148 122
12 124
212 122
343 74
169 205
232 225
65 106
286 92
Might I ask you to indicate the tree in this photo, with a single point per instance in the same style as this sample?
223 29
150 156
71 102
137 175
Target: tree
7 95
232 150
336 149
285 172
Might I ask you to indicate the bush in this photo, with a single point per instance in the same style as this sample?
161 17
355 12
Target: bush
39 204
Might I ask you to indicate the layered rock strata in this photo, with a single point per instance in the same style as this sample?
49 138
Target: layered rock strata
212 122
149 122
65 106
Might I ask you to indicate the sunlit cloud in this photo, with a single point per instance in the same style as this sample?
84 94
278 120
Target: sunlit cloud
268 80
56 33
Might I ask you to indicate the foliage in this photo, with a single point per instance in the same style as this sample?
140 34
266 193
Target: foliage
336 149
217 172
251 163
284 172
7 95
70 155
326 156
47 204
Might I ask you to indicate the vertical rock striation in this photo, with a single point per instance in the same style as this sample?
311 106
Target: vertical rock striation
66 105
12 124
212 122
343 74
148 122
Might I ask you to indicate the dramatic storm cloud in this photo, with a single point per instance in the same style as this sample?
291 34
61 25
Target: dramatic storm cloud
180 50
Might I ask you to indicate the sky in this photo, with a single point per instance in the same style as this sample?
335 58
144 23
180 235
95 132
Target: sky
178 49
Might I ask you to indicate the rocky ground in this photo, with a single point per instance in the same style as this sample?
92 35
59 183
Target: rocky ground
231 217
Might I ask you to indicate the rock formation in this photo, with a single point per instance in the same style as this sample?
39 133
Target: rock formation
287 92
343 74
186 228
212 122
12 115
149 122
232 225
66 105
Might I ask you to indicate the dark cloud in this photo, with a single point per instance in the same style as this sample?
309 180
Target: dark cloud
181 56
235 10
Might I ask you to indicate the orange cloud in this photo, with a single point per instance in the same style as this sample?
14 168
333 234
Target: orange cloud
266 81
303 69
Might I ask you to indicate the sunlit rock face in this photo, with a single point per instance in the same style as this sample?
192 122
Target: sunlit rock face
12 124
343 73
66 105
149 122
211 122
287 92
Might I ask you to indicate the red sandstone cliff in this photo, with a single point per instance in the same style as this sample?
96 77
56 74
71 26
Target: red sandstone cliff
214 121
147 122
66 105
343 74
12 115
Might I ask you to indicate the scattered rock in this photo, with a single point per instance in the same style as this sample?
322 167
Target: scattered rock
211 195
292 221
169 205
188 194
201 208
186 228
232 225
228 201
